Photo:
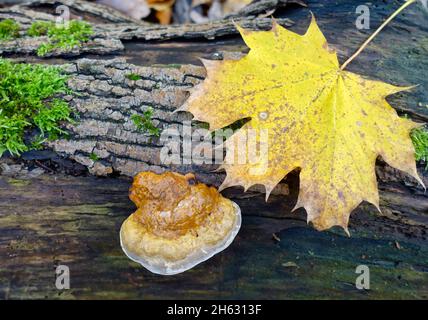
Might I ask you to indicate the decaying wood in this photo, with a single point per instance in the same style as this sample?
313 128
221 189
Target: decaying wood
77 9
105 100
110 26
47 219
61 220
258 7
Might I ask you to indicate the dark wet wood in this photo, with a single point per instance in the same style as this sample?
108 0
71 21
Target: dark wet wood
56 219
53 220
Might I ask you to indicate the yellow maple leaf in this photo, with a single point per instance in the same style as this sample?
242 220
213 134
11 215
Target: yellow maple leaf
329 123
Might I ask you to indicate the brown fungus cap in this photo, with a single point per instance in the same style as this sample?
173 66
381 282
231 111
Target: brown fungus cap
178 224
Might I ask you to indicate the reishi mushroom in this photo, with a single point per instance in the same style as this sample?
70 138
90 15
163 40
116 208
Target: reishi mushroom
178 223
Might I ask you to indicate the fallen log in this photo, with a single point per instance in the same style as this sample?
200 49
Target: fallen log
276 255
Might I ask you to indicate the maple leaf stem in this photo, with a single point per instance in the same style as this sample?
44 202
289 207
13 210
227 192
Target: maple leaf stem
383 25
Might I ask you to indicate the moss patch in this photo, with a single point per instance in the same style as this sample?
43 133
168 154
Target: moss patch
60 36
66 37
39 28
144 123
93 156
9 29
29 101
133 77
420 141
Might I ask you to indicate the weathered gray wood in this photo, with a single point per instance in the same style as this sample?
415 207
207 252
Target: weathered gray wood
106 98
111 26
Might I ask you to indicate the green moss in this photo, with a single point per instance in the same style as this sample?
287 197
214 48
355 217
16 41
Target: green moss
133 77
60 36
28 101
420 141
94 157
144 123
39 28
9 29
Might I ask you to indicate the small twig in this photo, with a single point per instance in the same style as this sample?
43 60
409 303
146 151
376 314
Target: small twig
364 45
39 164
275 237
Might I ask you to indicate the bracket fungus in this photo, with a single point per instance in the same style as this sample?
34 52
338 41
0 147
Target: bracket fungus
178 223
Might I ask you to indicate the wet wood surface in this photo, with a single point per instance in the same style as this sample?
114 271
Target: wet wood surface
56 219
61 220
